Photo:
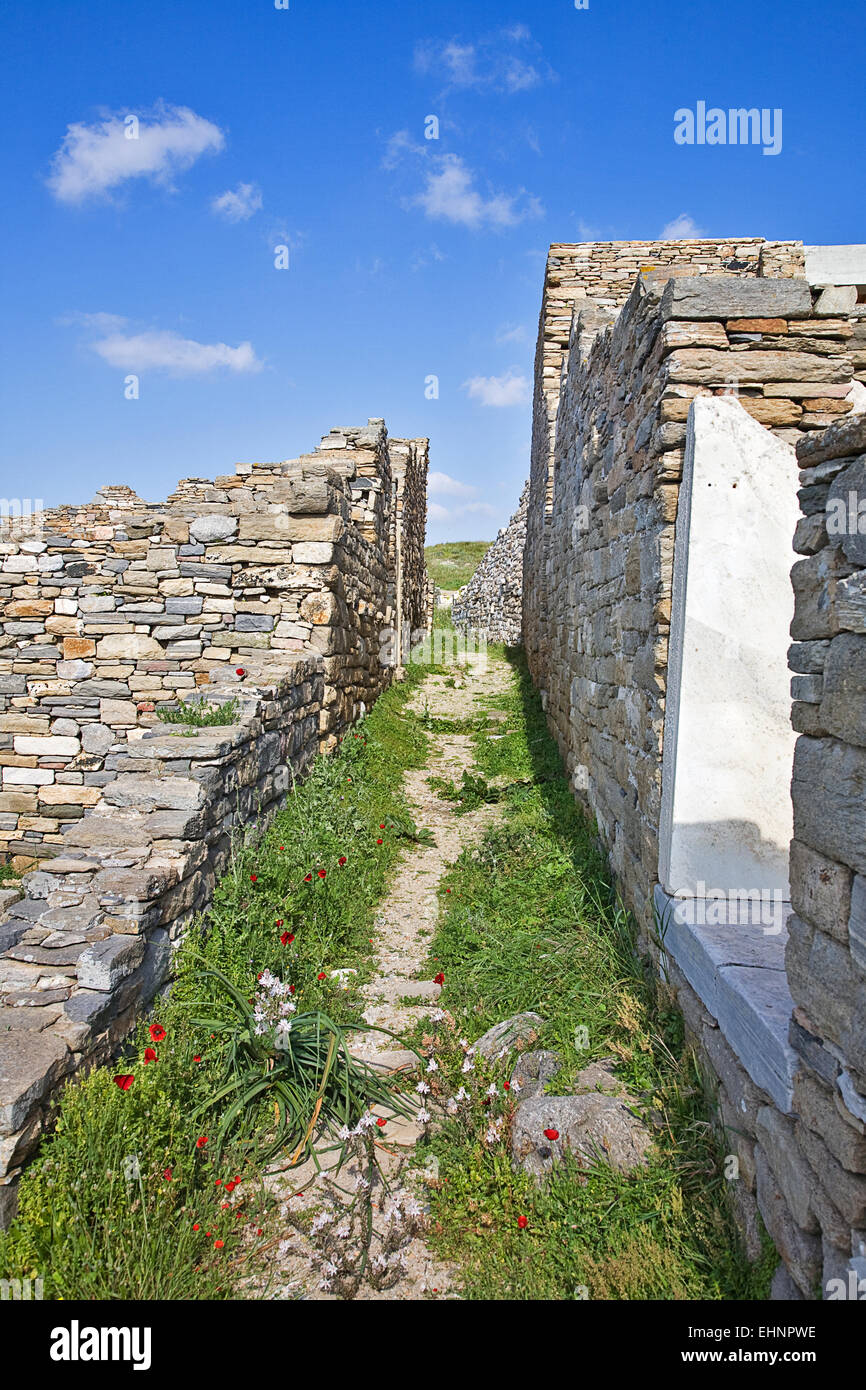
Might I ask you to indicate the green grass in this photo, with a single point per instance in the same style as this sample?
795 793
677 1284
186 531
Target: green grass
531 923
199 716
453 563
8 875
85 1226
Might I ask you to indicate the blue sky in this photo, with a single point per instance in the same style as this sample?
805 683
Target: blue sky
409 258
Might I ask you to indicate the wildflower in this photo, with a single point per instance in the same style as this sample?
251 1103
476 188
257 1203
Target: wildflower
439 979
197 1057
423 1116
150 1055
157 1032
240 671
308 878
254 878
515 1086
551 1134
201 1141
323 1219
469 1064
451 1106
492 1135
218 1244
287 938
342 860
378 842
506 1085
196 1227
462 1094
438 1015
284 1247
381 1122
321 975
381 827
324 1284
432 1065
522 1222
280 922
422 1087
322 873
230 1186
491 1090
124 1082
166 1173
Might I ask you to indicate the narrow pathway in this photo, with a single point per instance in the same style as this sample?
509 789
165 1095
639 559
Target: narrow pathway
395 999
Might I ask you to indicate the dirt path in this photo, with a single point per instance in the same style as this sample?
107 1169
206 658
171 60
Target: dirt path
395 999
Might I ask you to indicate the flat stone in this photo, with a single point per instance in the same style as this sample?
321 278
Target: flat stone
213 528
505 1036
533 1072
31 1064
733 297
103 965
596 1128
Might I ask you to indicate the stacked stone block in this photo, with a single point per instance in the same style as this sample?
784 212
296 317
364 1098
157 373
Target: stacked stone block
492 601
110 610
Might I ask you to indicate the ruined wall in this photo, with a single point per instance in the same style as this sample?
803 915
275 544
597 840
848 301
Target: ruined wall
109 610
826 954
608 553
596 277
89 945
492 601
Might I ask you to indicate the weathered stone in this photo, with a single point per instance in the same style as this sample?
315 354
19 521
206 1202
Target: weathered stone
596 1128
506 1036
533 1072
820 890
727 297
102 966
31 1064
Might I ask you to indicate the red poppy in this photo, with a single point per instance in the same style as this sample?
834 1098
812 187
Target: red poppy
381 827
322 873
280 922
157 1032
439 979
506 1085
196 1227
218 1244
291 989
321 975
166 1173
201 1141
230 1186
208 1233
237 1181
378 842
197 1057
342 860
381 1122
218 1183
447 890
259 1231
551 1134
287 938
124 1082
254 878
522 1222
282 847
149 1055
240 671
308 878
225 1205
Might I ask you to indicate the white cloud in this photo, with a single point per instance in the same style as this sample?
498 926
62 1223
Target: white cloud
399 145
238 204
683 228
436 512
512 333
162 349
94 159
510 389
509 61
444 483
450 195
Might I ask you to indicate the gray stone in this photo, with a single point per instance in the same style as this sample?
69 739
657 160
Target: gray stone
97 739
783 1289
504 1037
596 1128
820 890
213 528
801 1251
857 923
790 1169
103 965
533 1072
730 297
846 511
31 1064
829 793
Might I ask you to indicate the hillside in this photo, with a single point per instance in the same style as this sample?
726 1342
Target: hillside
453 563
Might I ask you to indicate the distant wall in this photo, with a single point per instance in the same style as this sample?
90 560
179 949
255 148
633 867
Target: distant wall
110 609
492 601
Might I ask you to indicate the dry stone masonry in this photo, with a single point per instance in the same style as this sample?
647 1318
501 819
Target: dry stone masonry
279 587
492 601
678 387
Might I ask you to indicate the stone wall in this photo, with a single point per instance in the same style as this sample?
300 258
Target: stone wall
826 954
89 945
492 601
598 585
606 548
597 277
108 611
